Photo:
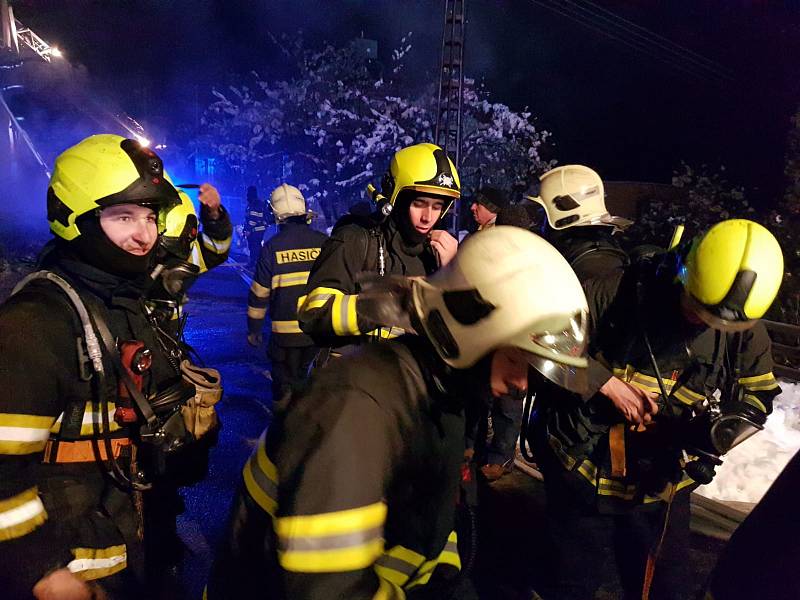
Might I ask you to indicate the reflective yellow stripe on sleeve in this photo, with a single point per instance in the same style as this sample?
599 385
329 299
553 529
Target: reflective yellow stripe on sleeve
345 540
216 246
21 514
290 279
388 591
344 320
751 399
758 383
256 313
259 291
286 327
448 556
23 434
95 563
398 564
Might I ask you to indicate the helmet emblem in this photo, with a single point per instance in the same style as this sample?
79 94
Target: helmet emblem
445 180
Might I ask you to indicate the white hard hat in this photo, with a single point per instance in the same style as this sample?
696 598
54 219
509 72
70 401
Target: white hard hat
287 201
573 195
507 287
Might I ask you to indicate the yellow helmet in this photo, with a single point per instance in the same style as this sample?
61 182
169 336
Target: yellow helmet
423 168
732 274
101 171
180 228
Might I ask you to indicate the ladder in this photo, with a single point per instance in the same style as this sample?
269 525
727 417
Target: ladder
451 85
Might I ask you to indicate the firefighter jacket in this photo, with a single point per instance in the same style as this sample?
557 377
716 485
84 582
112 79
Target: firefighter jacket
591 250
694 361
255 221
281 275
213 245
207 250
351 491
57 507
329 311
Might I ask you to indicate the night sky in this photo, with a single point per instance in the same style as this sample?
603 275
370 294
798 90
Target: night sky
620 110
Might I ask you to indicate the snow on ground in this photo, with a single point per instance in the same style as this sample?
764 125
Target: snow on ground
750 468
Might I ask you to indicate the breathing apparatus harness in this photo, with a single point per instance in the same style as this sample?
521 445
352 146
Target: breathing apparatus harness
161 425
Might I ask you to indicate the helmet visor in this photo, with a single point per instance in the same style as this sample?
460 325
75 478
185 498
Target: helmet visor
704 314
570 377
560 353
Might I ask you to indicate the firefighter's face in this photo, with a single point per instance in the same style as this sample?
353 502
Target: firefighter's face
481 214
424 211
509 372
131 227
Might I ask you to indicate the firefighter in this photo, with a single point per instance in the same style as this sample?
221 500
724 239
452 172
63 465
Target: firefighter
255 225
579 224
351 491
280 278
186 252
74 465
487 204
418 189
620 462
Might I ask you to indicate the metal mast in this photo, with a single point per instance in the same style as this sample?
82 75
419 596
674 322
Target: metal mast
451 86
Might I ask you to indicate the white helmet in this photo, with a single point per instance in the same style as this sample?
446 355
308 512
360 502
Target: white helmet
287 201
507 287
573 195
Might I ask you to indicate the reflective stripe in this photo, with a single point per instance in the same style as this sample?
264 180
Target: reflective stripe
21 514
344 540
388 591
290 279
259 291
687 396
318 297
343 315
398 564
216 246
261 478
759 382
89 418
386 333
751 399
449 555
94 563
23 434
286 327
256 313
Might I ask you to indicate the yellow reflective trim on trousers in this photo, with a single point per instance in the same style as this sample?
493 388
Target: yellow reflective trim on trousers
21 514
343 315
388 591
95 563
290 279
332 523
256 313
286 327
753 400
331 561
259 290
